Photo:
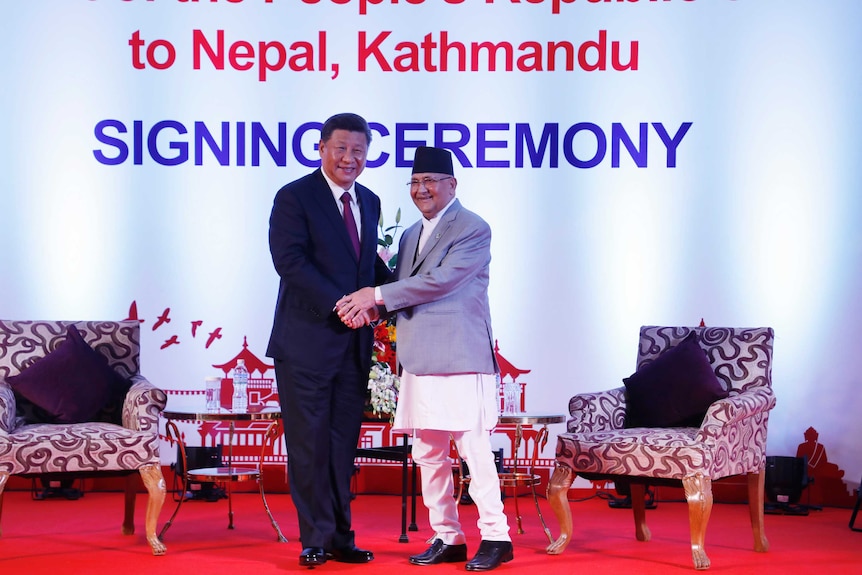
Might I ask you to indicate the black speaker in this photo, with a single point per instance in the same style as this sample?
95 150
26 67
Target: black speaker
786 478
197 458
623 486
56 487
856 509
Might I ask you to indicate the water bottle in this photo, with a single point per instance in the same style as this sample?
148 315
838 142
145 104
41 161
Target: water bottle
239 401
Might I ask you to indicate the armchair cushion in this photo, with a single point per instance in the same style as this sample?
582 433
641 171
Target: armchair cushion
674 390
72 383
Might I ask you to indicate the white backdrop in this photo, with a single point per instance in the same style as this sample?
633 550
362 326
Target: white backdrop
751 221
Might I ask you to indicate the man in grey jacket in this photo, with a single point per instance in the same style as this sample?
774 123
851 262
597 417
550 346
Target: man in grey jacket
445 348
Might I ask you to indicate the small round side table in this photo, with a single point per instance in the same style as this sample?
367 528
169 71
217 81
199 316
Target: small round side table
227 473
528 478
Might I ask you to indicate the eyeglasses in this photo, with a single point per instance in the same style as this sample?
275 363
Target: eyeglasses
427 182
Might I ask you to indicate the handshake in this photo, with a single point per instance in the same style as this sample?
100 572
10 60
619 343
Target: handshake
357 309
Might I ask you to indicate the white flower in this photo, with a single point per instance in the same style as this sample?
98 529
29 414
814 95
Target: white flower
384 386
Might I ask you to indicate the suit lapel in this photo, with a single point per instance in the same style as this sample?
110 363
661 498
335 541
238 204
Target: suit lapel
369 223
440 230
411 243
325 200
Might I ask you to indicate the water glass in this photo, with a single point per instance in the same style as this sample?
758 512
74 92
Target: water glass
213 393
511 398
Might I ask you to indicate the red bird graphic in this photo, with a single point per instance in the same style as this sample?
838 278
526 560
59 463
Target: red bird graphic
214 335
162 319
133 312
174 340
195 326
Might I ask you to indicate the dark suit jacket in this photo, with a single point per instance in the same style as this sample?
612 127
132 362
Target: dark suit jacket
317 265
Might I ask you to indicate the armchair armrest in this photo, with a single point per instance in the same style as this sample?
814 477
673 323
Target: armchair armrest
142 406
598 411
728 412
7 407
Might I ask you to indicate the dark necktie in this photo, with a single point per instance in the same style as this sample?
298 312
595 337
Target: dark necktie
350 222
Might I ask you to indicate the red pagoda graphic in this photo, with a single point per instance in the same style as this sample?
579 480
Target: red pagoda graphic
262 391
530 435
250 442
512 372
246 439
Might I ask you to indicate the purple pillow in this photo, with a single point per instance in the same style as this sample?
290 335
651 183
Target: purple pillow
674 390
72 383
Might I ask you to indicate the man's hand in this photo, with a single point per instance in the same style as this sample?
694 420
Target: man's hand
362 319
358 309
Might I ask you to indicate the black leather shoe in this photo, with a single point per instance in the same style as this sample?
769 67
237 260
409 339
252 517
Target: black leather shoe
312 556
351 555
439 552
490 555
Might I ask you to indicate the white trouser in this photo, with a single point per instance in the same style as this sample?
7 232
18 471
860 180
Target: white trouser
431 453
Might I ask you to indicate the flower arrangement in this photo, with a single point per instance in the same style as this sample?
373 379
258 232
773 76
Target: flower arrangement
384 344
383 381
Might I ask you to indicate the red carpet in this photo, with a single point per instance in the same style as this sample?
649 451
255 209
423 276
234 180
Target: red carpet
83 537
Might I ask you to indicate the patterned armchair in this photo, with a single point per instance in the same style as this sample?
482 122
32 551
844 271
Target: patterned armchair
123 441
731 440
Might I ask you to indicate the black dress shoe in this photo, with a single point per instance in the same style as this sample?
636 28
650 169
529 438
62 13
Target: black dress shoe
351 555
439 552
490 555
312 556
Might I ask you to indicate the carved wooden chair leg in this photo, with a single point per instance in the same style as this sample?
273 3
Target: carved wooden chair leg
638 493
698 493
755 508
129 513
557 494
155 484
3 478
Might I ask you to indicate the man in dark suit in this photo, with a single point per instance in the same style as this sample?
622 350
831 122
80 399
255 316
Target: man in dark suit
323 240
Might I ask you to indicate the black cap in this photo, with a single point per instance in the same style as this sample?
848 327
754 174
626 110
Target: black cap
432 160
